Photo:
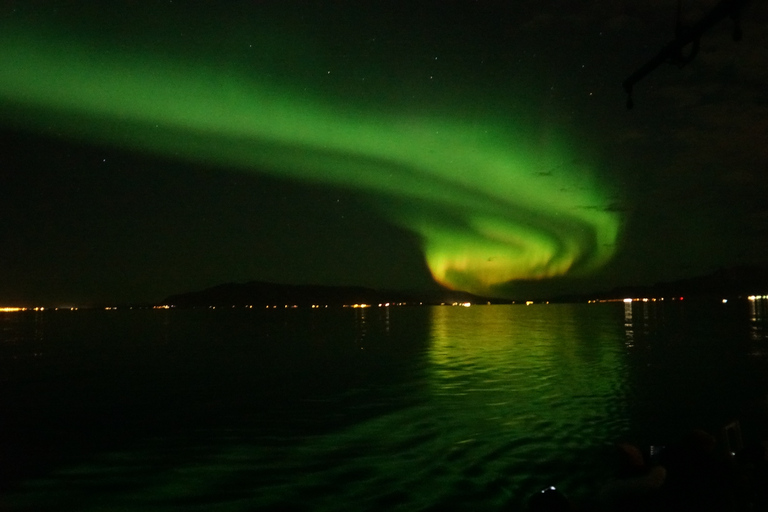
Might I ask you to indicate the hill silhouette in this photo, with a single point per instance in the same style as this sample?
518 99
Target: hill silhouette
261 293
733 282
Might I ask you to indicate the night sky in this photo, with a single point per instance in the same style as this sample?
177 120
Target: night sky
150 148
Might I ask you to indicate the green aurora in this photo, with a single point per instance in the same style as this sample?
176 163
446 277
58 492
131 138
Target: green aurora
490 202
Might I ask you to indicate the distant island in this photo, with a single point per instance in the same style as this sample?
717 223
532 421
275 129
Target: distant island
265 294
723 283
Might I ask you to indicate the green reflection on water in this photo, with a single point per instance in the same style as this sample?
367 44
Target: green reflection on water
550 380
482 407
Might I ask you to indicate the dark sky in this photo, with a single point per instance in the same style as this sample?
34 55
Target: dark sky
150 148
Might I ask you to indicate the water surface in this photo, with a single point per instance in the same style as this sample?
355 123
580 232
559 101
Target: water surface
408 408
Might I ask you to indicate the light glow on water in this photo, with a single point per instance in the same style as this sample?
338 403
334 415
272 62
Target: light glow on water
446 406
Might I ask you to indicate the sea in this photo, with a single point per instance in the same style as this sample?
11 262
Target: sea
418 408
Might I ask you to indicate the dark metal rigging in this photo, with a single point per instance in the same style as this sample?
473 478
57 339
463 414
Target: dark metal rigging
673 51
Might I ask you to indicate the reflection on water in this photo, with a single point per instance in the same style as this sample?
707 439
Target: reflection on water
545 397
758 317
693 365
431 408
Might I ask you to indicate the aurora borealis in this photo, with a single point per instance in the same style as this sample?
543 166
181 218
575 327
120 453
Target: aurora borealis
478 203
497 178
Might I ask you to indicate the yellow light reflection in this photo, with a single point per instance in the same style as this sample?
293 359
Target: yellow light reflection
503 366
